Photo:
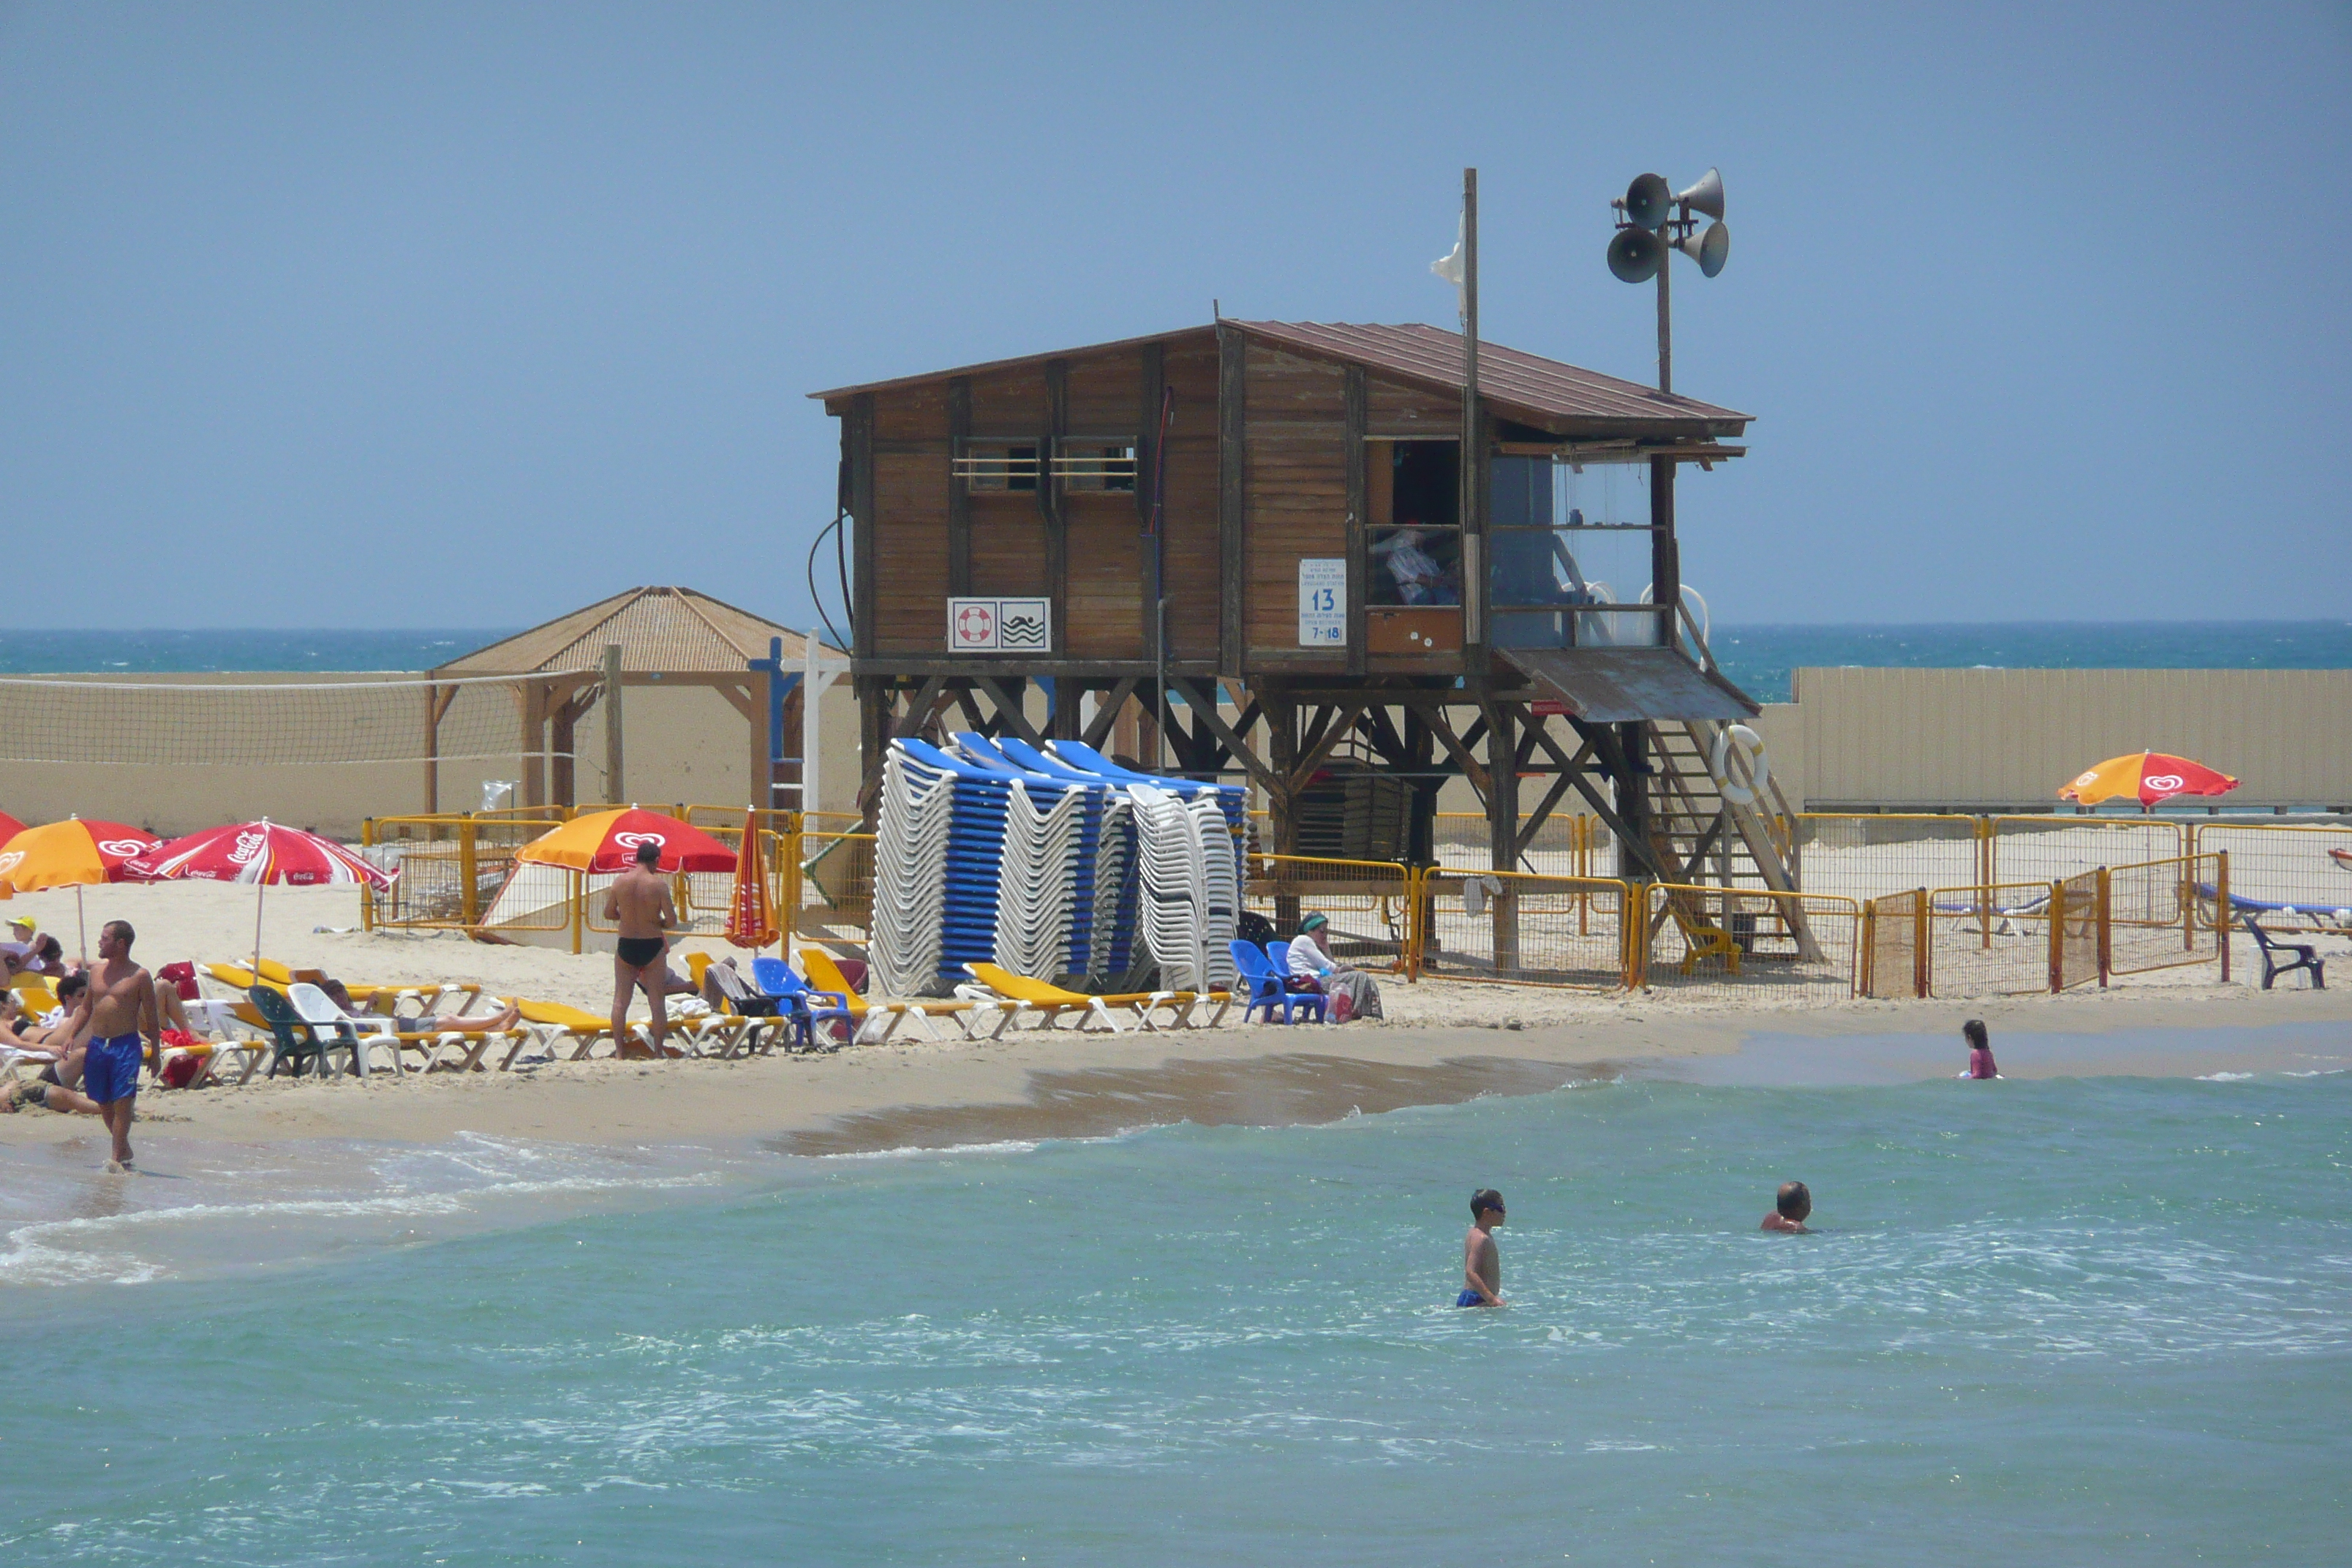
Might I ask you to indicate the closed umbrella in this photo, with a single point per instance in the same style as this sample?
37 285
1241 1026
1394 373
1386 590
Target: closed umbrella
750 914
2148 777
258 853
73 853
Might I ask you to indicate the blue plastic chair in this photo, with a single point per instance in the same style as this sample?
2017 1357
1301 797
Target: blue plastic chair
776 978
1266 987
1318 1003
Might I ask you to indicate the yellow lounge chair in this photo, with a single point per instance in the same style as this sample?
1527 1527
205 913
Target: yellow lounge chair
969 1013
1053 1001
554 1022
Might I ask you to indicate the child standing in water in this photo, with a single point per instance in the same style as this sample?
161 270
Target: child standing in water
1482 1266
1980 1063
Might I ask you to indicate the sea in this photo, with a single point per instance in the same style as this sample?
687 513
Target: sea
2072 1320
1759 658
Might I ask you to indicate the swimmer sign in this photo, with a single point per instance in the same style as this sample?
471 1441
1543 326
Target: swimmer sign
1323 602
999 625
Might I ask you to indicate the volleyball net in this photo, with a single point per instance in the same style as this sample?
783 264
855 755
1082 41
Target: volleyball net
284 723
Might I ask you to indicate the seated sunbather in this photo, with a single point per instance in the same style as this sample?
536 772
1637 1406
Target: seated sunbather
1310 958
46 955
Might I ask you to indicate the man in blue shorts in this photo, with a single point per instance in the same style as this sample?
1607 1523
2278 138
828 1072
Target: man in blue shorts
1482 1268
114 1013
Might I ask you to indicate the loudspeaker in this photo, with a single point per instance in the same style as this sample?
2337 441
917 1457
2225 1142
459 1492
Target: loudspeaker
1707 196
1635 255
1711 249
1649 202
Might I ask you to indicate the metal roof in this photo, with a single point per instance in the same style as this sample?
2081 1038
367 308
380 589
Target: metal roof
1537 389
1544 387
675 631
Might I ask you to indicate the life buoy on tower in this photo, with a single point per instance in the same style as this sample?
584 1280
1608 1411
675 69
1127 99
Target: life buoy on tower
1760 765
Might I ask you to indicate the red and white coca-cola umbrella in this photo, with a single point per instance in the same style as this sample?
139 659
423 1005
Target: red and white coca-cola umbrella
259 853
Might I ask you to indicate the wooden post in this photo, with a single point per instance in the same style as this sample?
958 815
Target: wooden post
1359 555
858 447
1503 826
1666 555
532 700
432 751
758 686
616 787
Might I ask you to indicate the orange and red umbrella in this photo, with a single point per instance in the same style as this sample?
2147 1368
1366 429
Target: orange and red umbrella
9 828
2147 777
70 854
750 914
605 842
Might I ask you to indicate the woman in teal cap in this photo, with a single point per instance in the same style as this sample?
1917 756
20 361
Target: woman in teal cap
1352 991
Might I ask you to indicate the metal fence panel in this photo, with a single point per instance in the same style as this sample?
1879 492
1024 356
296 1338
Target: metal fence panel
2166 913
1895 946
1369 903
1747 941
2078 930
2048 848
828 885
1865 855
1518 926
2294 877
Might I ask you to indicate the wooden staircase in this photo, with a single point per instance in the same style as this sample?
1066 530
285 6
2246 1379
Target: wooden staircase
1704 840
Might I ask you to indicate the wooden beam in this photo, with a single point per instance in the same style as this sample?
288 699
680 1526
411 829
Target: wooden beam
1233 494
918 713
1234 739
971 706
1146 480
1108 714
1433 715
1332 735
1008 710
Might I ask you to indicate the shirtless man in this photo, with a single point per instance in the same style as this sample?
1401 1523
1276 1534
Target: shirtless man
1482 1266
1790 1207
640 904
112 1014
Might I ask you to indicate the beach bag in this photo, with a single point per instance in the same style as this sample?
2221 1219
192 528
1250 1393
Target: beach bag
180 1067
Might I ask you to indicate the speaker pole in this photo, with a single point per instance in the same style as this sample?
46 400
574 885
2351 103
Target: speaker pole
1469 504
1666 320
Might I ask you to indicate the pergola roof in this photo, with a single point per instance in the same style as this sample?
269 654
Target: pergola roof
672 631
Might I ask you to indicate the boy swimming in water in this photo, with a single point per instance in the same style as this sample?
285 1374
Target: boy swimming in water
1790 1207
1482 1266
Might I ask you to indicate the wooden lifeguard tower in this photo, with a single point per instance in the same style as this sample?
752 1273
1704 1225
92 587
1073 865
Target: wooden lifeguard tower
1293 538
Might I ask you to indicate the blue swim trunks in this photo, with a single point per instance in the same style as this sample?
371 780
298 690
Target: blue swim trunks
1467 1297
109 1068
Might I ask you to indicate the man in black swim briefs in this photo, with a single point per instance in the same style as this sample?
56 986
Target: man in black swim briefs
639 904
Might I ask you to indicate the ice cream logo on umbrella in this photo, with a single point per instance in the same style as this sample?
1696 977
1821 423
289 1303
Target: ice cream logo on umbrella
630 841
11 860
2163 782
125 848
2086 780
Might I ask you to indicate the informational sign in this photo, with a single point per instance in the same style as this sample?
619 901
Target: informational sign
999 625
1323 602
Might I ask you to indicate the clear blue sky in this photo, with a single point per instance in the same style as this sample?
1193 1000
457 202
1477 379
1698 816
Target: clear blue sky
465 315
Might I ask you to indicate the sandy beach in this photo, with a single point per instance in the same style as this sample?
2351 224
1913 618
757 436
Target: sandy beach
1445 1041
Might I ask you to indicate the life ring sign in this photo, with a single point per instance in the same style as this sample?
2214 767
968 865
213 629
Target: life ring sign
1760 765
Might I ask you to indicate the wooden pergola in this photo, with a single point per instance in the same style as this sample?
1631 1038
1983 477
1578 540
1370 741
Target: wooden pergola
666 636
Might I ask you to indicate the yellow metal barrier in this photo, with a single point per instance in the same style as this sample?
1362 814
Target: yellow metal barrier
2290 875
1895 946
1862 855
2050 848
1742 941
1522 927
451 869
2168 913
828 885
1369 903
1562 847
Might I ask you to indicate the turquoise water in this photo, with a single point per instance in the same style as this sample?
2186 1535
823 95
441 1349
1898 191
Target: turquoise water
1759 658
2057 1322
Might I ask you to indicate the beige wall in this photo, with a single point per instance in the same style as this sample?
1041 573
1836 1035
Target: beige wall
1969 738
685 744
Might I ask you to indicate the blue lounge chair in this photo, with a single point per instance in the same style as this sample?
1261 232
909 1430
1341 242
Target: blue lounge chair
775 978
1266 987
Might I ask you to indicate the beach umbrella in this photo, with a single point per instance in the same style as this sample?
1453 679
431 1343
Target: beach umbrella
70 854
605 842
258 853
2147 777
751 913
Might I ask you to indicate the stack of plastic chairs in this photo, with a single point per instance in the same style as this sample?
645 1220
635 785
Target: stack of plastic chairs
911 854
1052 842
1172 924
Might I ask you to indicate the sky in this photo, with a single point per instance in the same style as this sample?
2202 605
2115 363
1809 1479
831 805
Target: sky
467 315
